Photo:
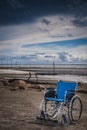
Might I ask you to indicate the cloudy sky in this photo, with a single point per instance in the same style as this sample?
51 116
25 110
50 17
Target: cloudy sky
40 31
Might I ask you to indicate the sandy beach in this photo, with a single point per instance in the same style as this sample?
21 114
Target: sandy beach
19 108
18 111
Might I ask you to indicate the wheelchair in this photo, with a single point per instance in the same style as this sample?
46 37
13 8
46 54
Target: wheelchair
61 104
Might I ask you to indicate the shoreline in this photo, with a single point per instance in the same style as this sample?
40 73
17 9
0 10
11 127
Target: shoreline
45 74
48 70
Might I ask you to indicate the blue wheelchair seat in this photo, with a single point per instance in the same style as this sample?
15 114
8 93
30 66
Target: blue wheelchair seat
64 91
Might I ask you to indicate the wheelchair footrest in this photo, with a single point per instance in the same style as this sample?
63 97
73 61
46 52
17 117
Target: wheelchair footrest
41 118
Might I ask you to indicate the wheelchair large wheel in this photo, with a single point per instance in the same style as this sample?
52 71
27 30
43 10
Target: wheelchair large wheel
51 108
75 109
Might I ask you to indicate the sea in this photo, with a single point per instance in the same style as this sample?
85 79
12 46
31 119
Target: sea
46 65
69 77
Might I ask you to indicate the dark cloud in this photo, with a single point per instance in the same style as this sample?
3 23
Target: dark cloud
80 22
45 21
15 3
63 56
69 35
76 5
44 30
62 19
80 10
57 36
49 56
68 58
26 11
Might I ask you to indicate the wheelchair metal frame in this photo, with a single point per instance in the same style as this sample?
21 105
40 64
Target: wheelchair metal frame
65 105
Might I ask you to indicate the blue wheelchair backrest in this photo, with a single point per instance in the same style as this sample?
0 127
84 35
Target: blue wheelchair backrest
63 87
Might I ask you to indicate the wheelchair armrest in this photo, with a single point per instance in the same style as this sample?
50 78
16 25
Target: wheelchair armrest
71 91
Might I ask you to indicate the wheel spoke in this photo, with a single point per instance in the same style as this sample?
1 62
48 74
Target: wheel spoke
51 108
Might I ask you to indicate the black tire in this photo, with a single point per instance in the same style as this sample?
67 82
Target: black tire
75 109
65 120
